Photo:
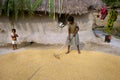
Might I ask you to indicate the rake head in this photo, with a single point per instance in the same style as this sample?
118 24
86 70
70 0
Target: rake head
57 56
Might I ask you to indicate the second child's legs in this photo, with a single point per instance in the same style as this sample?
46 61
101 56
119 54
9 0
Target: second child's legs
15 46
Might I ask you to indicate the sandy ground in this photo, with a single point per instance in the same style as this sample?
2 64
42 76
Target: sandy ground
39 63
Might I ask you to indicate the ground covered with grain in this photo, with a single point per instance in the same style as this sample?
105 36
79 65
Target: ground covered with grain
41 64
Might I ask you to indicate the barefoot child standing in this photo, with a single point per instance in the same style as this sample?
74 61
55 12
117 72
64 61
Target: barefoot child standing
73 36
14 39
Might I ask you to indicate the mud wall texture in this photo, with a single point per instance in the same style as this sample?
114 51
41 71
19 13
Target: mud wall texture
44 30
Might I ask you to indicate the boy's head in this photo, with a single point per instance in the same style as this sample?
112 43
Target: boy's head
70 19
14 30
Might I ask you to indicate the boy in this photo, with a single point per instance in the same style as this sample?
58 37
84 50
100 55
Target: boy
72 34
14 39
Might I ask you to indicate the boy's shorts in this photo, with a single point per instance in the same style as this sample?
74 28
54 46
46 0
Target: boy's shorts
74 41
14 42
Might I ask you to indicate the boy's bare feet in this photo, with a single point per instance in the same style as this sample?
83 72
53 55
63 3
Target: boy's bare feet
79 52
68 52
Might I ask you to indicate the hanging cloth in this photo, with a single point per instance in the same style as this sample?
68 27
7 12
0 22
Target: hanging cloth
104 13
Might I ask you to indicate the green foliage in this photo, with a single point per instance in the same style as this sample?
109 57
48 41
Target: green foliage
0 7
37 4
13 8
33 5
112 18
22 7
112 3
30 6
51 8
113 14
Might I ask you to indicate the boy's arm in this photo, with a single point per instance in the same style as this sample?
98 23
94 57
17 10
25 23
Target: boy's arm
17 35
76 31
69 33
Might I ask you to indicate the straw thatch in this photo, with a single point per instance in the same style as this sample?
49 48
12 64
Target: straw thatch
96 4
71 6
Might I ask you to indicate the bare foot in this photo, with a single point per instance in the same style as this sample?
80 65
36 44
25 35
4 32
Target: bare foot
68 52
79 52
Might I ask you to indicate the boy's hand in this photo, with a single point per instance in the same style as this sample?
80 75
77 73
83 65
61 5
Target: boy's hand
74 35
